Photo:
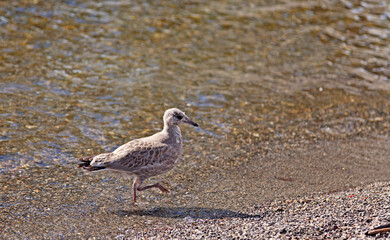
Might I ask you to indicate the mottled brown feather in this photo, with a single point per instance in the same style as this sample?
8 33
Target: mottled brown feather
145 157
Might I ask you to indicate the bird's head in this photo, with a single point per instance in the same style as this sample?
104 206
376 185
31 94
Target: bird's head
175 116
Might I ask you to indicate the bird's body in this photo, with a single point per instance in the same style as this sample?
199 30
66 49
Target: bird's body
145 157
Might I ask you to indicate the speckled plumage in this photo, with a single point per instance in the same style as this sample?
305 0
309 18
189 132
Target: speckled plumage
145 157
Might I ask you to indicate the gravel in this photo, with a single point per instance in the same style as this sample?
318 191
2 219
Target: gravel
342 215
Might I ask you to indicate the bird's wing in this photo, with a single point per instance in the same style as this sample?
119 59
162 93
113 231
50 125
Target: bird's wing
136 154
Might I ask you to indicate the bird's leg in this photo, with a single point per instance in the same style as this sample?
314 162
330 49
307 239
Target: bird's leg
134 191
157 185
137 182
137 186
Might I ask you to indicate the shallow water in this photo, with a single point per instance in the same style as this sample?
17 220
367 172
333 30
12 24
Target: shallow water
274 85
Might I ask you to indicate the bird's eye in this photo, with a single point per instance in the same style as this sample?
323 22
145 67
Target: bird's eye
178 116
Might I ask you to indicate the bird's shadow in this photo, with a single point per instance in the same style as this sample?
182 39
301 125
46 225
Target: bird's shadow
186 212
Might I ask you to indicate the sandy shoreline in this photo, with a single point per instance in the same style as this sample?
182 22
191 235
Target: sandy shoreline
301 192
342 215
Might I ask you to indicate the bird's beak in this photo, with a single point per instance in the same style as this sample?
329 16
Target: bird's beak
190 122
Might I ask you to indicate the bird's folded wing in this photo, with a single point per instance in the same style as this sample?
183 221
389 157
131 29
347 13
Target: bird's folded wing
134 155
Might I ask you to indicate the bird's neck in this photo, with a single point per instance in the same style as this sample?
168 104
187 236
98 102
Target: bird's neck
173 132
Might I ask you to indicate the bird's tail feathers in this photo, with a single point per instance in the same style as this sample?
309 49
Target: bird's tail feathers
85 163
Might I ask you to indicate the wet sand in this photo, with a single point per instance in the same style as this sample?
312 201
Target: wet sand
62 202
348 214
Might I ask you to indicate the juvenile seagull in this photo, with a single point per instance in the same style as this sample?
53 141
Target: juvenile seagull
144 157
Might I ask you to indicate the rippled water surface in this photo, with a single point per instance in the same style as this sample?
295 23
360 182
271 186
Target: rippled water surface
260 77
